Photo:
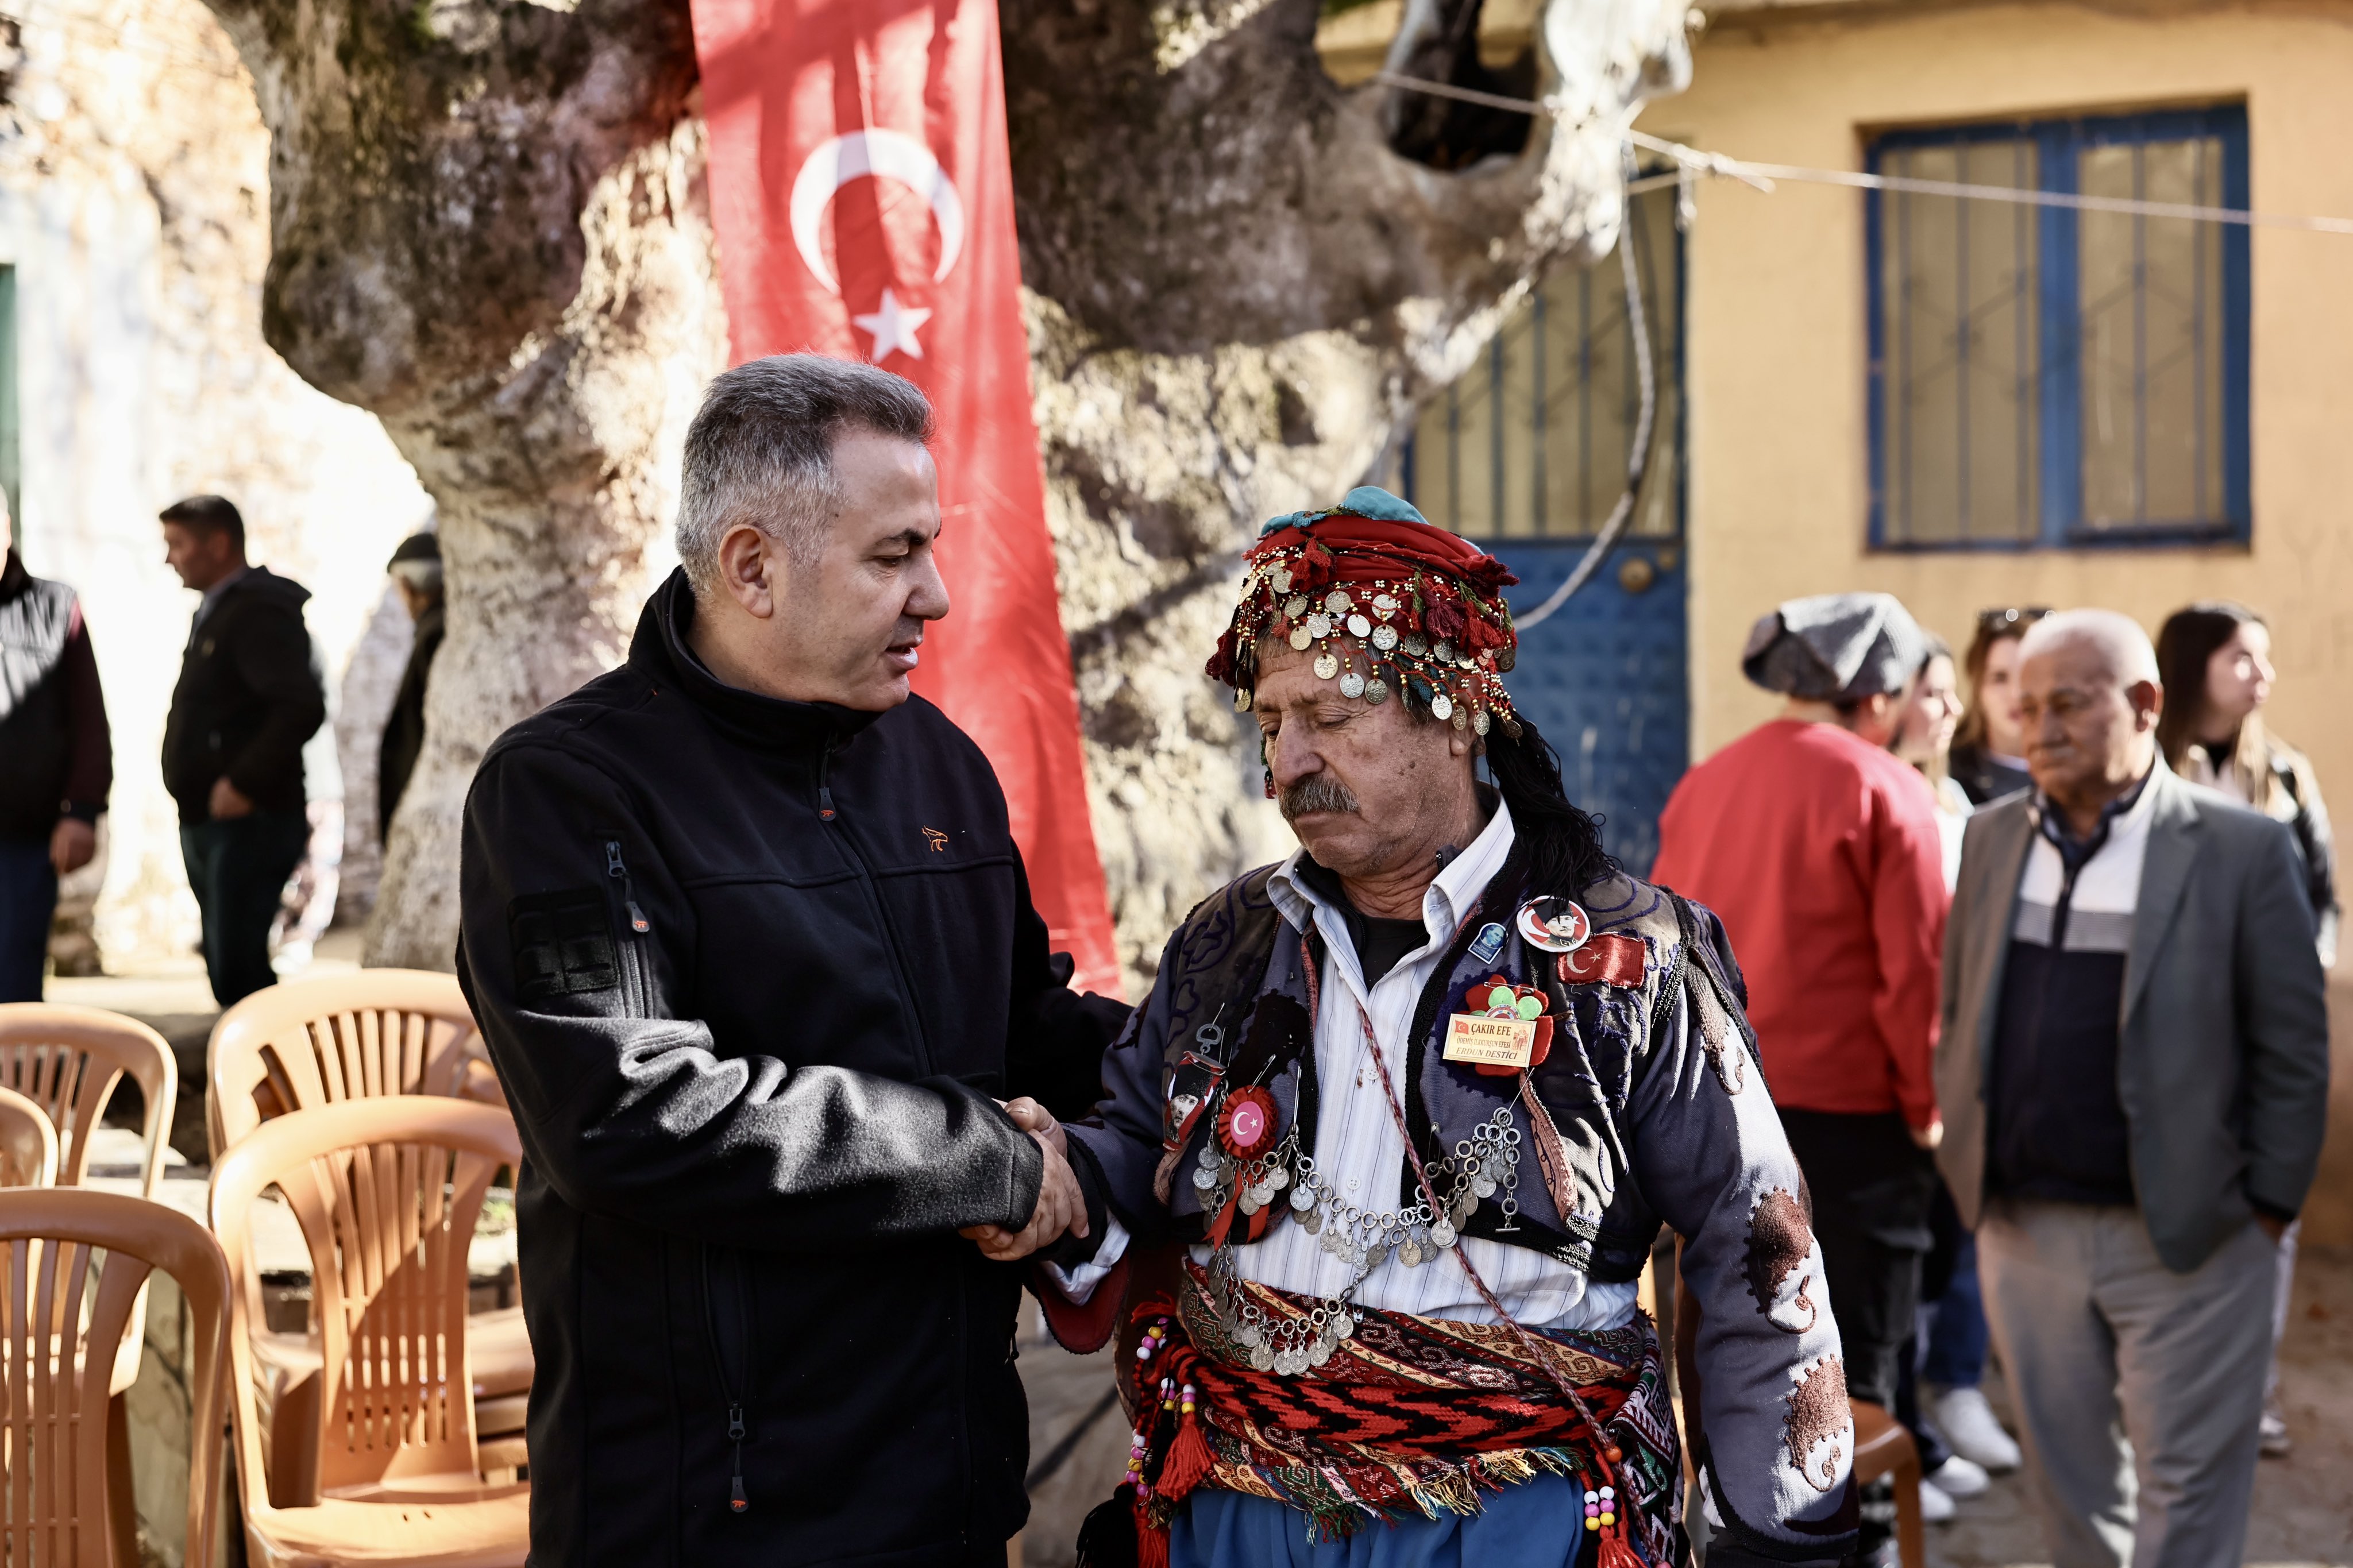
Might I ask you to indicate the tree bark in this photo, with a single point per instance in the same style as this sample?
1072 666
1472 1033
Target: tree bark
489 227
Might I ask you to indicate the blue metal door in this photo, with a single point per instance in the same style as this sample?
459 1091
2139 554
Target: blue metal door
1604 678
1527 453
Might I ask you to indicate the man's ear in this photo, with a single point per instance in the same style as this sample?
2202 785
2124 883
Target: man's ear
2148 700
745 570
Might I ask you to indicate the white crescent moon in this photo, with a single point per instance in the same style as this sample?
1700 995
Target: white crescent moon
887 154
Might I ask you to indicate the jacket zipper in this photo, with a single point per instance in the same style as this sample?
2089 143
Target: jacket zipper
729 1389
828 812
632 957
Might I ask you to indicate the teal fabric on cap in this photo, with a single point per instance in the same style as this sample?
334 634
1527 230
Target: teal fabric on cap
1365 500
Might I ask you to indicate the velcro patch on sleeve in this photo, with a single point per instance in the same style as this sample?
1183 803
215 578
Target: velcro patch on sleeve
1608 960
562 945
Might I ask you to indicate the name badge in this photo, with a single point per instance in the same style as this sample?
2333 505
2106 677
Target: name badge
1490 1042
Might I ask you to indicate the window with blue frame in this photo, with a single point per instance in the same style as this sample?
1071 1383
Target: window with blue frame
2046 376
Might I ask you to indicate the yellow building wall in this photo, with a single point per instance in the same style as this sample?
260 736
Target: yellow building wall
1777 348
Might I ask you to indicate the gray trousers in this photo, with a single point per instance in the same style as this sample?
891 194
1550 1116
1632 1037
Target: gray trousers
2138 1389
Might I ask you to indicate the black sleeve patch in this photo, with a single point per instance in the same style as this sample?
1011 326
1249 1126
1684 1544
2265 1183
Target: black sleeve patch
562 945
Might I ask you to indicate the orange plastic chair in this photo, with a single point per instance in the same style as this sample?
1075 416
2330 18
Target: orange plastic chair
301 1044
1882 1448
28 1143
386 1191
311 1042
67 1445
67 1060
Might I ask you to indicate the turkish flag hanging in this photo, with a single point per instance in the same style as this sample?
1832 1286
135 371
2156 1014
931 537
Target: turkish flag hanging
864 199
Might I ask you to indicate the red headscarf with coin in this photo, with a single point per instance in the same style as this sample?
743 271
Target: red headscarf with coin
1393 605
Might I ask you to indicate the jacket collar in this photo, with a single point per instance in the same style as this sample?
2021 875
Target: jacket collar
765 723
2172 852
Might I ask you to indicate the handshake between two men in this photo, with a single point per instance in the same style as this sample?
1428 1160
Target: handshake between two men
1062 1208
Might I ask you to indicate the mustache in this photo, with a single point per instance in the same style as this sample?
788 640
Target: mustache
1318 791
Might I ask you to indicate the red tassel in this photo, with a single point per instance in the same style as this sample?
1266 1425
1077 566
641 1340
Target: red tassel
1151 1545
1187 1462
1617 1552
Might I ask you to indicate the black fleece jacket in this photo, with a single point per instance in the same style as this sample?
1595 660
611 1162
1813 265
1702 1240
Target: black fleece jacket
248 695
754 973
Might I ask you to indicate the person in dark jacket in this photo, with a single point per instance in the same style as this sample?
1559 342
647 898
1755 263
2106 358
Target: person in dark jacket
57 760
416 569
248 695
754 952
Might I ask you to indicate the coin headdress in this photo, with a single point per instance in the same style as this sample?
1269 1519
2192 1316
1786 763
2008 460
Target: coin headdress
1393 605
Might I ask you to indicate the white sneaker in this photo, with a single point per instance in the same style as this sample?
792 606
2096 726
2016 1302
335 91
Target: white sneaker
1970 1425
1959 1477
1935 1506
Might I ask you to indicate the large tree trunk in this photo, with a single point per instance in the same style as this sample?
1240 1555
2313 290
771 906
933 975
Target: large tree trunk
489 227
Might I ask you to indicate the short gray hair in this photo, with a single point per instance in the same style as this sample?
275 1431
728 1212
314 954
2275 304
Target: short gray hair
2119 640
760 451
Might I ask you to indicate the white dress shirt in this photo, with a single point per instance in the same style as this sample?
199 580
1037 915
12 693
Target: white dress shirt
1359 1149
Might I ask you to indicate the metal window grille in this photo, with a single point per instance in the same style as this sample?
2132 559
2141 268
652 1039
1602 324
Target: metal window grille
1531 442
2046 377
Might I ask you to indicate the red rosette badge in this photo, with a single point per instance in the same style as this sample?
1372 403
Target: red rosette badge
1246 1123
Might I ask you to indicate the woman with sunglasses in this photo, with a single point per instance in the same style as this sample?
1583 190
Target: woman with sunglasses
1989 757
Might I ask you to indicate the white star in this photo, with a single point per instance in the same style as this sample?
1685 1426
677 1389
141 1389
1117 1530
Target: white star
894 327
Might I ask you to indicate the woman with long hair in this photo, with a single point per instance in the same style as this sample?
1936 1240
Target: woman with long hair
2215 659
1988 754
1954 1360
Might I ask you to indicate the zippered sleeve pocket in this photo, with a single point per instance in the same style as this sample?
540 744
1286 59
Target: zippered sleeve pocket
633 928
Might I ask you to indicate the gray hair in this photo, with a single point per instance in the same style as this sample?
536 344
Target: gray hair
2123 646
760 451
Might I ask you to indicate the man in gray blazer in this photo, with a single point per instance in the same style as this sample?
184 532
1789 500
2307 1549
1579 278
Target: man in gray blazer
2133 1072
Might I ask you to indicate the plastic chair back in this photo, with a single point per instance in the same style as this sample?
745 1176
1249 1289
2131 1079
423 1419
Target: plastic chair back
302 1044
67 1060
28 1143
386 1191
60 1335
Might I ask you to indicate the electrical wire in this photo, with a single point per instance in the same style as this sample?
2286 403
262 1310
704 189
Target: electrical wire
1692 161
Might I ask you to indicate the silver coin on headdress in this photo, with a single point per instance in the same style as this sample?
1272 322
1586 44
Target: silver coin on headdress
1376 692
1416 644
1319 627
1300 637
1462 719
1283 579
1352 685
1441 706
1478 721
1359 627
1296 606
1385 637
1326 666
1241 698
1444 652
1338 601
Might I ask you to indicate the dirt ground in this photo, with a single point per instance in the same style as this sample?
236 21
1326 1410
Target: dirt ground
2304 1504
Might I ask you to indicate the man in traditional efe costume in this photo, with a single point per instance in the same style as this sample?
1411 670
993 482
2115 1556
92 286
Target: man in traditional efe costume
1328 1324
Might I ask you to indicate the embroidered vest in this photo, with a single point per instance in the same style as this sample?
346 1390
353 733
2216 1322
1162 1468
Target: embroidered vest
1241 1018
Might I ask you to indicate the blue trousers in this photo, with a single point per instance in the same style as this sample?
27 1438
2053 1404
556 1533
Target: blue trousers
28 898
237 869
1956 1340
1538 1523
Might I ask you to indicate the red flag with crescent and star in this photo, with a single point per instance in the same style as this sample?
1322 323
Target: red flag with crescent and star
864 199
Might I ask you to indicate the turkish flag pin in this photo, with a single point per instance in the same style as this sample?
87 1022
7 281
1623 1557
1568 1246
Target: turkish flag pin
1555 925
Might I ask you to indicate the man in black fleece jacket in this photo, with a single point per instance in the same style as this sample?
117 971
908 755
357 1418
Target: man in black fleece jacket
754 952
248 695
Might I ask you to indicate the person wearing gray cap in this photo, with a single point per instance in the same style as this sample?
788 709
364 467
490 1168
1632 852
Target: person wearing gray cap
1820 848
